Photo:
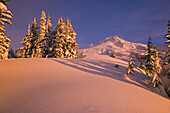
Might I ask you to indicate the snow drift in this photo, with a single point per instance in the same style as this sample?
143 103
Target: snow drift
84 85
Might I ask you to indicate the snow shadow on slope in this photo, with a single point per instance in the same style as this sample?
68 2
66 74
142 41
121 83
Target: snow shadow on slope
106 69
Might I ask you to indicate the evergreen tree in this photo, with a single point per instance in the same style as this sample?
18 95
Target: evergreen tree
168 42
25 52
150 58
5 15
58 40
29 42
113 54
70 40
48 37
168 51
34 28
142 65
149 45
11 54
34 37
131 65
40 46
49 26
155 79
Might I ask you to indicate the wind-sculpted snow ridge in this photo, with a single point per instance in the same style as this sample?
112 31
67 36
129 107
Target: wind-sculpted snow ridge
121 47
92 84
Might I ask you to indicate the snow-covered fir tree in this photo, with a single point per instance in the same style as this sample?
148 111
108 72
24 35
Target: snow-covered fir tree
142 65
5 15
168 42
64 43
34 36
49 25
113 55
141 59
40 46
131 65
25 51
29 42
70 40
150 58
48 37
57 43
168 52
165 77
155 79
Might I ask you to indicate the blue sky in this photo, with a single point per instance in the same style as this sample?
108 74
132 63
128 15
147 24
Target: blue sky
94 20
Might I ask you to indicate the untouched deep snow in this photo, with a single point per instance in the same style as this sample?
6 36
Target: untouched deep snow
91 84
88 85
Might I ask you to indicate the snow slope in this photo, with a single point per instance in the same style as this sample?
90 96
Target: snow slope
88 85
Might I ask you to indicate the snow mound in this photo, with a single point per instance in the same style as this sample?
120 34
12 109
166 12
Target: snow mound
121 47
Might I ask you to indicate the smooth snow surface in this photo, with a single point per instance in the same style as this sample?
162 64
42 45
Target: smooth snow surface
88 85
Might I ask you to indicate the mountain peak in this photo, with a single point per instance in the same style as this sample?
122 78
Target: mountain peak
121 47
111 39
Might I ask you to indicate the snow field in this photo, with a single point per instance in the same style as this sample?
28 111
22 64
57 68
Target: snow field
87 85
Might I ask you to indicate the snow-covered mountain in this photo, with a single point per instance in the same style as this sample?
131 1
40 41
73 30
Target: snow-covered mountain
121 47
